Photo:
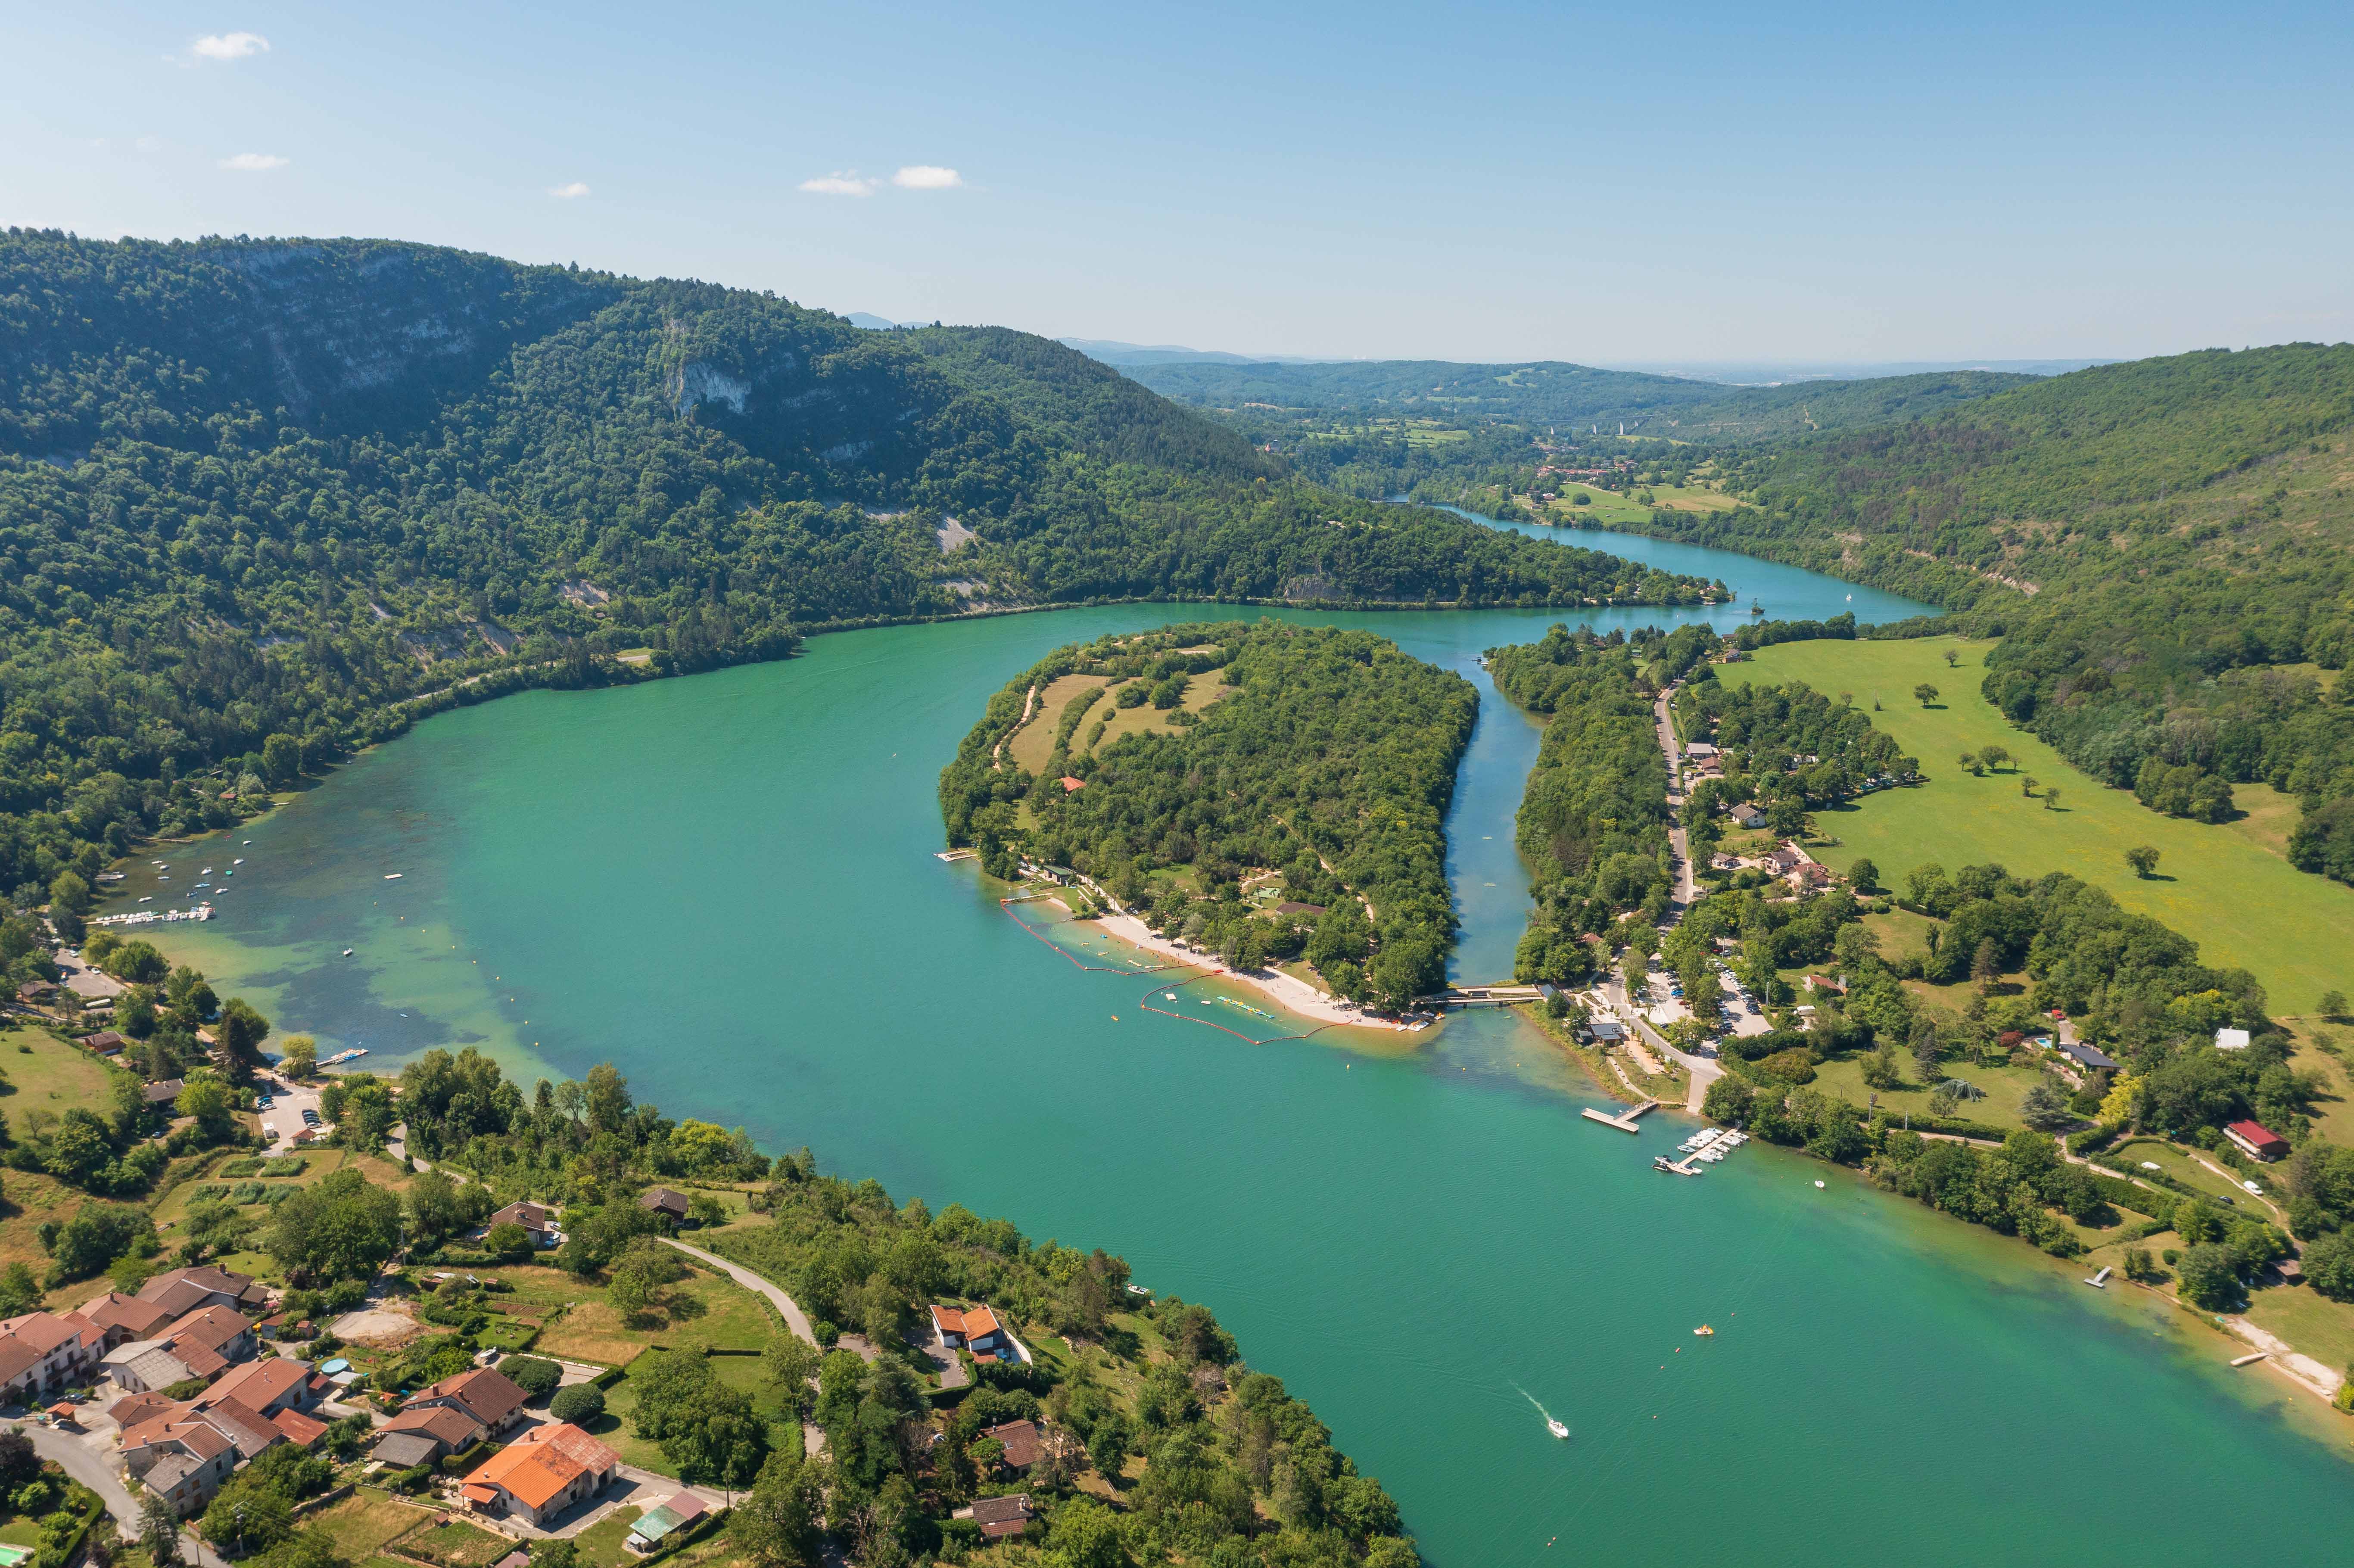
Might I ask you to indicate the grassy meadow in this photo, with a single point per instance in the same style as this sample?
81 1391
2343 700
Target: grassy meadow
2226 886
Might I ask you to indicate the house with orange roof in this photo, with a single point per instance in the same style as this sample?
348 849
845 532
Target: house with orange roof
268 1387
976 1328
540 1474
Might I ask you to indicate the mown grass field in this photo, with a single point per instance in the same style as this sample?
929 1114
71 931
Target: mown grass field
2004 1086
363 1523
711 1311
45 1073
2243 904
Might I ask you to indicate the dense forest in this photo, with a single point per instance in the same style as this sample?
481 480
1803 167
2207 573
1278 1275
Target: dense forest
264 502
1290 805
1593 819
2163 547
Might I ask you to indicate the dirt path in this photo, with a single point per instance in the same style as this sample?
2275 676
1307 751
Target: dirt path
997 752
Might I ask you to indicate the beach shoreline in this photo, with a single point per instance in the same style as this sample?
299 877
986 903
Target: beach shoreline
1294 995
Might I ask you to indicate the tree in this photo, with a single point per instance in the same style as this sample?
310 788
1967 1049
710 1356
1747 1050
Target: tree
778 1524
19 1292
2328 1264
281 760
2051 798
1995 755
247 1516
507 1240
342 1228
1864 873
1986 965
206 1099
159 1529
2027 783
1087 1535
2208 1277
790 1362
241 1030
2143 858
1972 764
581 1403
2332 1004
1925 694
68 894
2045 1108
297 1056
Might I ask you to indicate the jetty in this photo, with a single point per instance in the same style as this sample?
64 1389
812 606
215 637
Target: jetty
2246 1361
152 916
1624 1120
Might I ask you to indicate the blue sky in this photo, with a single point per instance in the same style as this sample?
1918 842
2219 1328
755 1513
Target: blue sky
1479 181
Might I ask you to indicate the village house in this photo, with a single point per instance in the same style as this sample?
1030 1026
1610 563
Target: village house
670 1205
2086 1057
162 1092
42 1352
183 1290
537 1219
144 1366
541 1474
2256 1141
1024 1443
268 1387
1001 1517
2231 1040
975 1328
1745 815
209 1339
183 1462
106 1043
413 1436
485 1395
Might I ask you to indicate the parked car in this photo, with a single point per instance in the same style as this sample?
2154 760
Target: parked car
265 1103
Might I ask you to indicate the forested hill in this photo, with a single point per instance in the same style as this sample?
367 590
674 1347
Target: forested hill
1267 792
1551 393
2167 548
257 488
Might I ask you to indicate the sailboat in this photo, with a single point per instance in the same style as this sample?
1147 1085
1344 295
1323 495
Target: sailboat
1553 1424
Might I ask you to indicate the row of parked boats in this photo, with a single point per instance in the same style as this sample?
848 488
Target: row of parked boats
1712 1143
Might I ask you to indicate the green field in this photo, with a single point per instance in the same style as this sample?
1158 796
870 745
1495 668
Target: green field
2246 908
45 1073
2004 1086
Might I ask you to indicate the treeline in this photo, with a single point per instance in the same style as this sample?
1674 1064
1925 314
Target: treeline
309 490
1594 819
2184 528
1232 1463
1327 757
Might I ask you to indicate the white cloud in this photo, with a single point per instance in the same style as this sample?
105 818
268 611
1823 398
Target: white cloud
572 191
254 162
839 184
926 177
229 46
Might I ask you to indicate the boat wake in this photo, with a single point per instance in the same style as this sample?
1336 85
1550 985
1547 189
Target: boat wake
1553 1423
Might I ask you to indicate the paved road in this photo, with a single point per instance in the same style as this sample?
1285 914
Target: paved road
795 1318
1687 887
86 1457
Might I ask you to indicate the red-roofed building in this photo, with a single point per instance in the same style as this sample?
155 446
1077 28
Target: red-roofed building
125 1318
541 1474
486 1395
2256 1140
268 1387
42 1352
975 1328
183 1462
1073 786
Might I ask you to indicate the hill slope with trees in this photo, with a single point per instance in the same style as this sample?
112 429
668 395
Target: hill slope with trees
1299 813
309 489
2166 548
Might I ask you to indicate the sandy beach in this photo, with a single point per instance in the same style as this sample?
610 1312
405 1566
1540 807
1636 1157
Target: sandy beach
1292 994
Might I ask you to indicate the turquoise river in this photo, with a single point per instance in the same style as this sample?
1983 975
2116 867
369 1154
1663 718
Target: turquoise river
727 887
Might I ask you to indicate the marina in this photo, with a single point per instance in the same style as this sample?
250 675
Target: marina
154 917
1624 1120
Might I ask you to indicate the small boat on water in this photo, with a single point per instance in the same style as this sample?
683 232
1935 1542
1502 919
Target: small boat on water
347 952
1818 1185
1553 1424
1704 1332
392 876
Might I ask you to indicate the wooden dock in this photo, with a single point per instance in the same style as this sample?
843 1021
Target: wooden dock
1624 1120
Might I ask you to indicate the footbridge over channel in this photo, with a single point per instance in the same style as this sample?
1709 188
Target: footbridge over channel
1484 996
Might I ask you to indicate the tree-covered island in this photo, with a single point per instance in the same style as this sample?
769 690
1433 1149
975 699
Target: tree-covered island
1276 794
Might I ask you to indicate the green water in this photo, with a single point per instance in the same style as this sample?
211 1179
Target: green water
726 885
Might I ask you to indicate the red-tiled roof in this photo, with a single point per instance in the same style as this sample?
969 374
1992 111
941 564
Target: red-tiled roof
2257 1133
541 1463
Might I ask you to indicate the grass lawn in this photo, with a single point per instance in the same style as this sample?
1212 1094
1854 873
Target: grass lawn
2316 1325
1900 932
2333 1109
2129 1154
2004 1086
721 1315
600 1544
440 1539
363 1523
1034 741
45 1073
2245 906
614 1428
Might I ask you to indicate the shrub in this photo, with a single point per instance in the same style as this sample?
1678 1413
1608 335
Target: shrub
579 1404
536 1377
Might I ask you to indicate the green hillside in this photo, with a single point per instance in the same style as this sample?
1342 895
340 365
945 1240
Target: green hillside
310 488
2165 547
1552 392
